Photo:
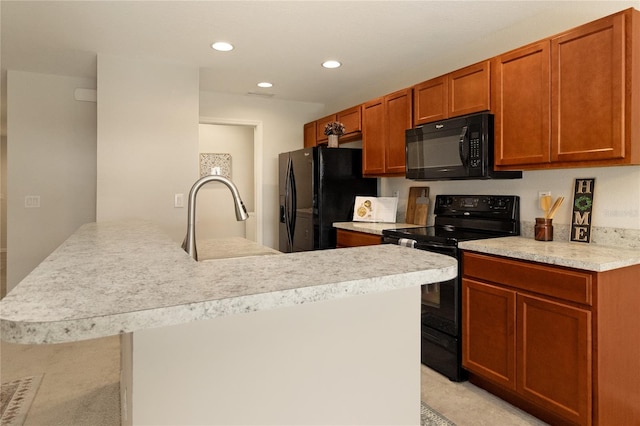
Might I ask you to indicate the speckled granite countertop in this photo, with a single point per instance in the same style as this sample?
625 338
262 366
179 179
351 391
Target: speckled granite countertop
589 257
117 277
372 227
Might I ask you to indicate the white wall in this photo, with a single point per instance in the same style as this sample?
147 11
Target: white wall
215 214
282 123
51 147
616 202
147 140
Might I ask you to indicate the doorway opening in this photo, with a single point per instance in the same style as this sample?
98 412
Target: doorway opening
242 139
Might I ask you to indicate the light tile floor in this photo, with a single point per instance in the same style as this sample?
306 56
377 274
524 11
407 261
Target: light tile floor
468 405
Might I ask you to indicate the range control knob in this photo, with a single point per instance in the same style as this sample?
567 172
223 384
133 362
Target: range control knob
446 201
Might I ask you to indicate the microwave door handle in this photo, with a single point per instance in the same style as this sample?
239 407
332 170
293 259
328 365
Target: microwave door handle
464 156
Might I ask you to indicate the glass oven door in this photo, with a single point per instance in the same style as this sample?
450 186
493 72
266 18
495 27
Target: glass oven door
440 301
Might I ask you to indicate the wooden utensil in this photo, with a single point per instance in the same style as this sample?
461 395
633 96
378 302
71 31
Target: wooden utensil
555 207
545 204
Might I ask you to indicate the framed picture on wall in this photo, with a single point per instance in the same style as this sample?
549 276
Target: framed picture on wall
215 164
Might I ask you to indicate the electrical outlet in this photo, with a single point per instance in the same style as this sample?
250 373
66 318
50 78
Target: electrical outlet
540 195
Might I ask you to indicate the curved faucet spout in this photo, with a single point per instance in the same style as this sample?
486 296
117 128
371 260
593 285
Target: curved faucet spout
189 243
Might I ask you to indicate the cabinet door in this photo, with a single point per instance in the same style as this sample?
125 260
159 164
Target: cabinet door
470 89
522 101
398 120
320 136
488 332
310 134
352 120
430 100
587 68
554 357
373 138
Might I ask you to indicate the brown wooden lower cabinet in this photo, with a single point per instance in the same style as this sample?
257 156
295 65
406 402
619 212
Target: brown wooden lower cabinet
558 342
354 239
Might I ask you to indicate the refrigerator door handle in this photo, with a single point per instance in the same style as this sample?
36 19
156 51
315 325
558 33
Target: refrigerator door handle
287 206
294 203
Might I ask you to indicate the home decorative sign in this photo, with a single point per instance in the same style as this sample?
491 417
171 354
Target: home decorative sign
215 164
582 209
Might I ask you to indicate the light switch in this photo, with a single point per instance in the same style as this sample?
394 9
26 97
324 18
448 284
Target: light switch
178 200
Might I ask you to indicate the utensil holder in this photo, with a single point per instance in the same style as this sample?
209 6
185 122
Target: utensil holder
543 230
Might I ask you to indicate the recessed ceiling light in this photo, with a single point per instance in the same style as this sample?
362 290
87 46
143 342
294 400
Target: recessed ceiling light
331 64
265 84
222 46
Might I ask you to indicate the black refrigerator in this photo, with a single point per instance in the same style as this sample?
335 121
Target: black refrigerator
318 187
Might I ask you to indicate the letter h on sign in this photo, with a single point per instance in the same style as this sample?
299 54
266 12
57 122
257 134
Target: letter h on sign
582 209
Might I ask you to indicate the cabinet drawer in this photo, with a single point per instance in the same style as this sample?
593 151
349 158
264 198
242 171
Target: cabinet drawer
562 283
355 239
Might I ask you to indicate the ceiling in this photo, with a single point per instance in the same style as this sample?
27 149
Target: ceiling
383 45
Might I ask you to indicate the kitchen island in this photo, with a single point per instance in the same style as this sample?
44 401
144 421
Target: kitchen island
324 337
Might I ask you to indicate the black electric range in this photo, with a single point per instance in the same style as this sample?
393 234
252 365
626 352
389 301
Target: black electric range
457 218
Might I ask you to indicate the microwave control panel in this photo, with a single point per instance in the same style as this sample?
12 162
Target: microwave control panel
474 149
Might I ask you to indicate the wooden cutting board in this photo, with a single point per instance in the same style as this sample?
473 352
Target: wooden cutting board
417 205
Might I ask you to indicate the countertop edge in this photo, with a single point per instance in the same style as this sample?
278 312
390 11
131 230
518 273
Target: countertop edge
595 258
374 228
85 328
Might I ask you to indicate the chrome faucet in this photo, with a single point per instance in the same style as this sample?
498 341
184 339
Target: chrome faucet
189 243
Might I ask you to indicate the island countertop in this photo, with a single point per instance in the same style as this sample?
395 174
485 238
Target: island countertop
110 278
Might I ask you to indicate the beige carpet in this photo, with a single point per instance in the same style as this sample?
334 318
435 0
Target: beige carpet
16 398
81 383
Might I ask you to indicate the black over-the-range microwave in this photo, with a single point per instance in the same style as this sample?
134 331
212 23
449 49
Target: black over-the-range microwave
457 148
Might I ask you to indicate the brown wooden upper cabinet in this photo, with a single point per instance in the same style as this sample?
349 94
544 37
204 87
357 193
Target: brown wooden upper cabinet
351 118
567 101
461 92
320 124
310 134
384 121
431 100
522 103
